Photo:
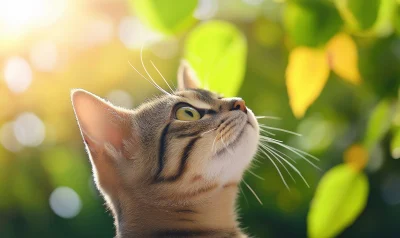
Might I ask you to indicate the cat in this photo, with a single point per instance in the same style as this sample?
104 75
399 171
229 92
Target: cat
170 167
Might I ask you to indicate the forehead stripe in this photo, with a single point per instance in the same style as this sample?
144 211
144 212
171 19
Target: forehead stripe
204 96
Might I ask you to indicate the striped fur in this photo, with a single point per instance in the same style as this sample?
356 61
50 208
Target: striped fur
163 177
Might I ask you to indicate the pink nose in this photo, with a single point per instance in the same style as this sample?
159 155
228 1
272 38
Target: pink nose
240 105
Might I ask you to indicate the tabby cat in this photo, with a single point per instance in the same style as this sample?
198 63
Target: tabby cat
170 167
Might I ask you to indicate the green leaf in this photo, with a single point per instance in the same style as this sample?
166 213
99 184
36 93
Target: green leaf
169 17
340 198
384 23
217 51
359 14
378 124
311 23
395 145
397 20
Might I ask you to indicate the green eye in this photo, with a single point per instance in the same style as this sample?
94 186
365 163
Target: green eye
187 114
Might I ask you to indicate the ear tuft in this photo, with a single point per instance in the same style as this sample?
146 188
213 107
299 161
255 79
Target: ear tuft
187 78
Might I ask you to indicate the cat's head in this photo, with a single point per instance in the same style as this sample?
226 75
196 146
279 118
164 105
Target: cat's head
182 146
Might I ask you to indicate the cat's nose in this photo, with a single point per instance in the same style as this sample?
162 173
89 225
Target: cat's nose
239 105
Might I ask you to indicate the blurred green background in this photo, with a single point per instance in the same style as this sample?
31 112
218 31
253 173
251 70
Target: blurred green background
48 47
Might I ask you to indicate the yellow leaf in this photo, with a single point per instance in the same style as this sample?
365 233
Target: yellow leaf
356 157
306 76
343 58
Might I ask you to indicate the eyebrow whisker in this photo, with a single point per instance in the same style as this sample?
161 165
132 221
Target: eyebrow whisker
144 67
158 71
137 71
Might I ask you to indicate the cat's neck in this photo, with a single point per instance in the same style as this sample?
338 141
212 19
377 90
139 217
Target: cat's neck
215 217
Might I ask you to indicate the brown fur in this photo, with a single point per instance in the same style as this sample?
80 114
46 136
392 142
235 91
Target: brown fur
164 177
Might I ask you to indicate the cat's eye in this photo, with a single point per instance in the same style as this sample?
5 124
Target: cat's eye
187 114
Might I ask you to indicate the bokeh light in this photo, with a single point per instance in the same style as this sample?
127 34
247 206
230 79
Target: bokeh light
317 132
8 139
376 159
135 35
98 31
65 202
396 153
120 98
206 9
18 74
29 129
166 49
391 189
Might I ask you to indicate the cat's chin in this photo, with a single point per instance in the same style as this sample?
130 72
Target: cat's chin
230 163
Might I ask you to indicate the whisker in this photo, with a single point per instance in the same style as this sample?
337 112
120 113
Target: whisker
144 67
226 147
279 129
244 195
268 117
255 175
295 152
256 161
267 132
158 71
206 132
137 71
173 85
293 167
298 150
304 153
213 144
255 195
280 152
279 161
266 138
277 168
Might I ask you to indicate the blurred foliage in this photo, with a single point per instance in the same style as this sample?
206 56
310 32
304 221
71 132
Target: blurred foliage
311 23
340 197
340 60
159 15
217 51
308 70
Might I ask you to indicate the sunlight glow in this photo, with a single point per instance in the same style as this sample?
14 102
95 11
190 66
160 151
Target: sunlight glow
18 16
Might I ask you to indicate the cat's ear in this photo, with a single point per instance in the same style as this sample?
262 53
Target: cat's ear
187 78
99 121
